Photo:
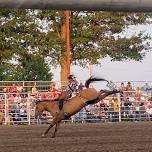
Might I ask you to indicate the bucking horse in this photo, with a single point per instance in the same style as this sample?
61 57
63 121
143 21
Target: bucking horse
73 105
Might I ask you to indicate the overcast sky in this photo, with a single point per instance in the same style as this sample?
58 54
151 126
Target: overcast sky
118 71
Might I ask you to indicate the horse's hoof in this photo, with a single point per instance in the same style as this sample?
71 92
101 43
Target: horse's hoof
53 136
43 135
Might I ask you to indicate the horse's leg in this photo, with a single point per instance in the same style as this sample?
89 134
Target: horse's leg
107 93
102 94
56 129
51 125
56 121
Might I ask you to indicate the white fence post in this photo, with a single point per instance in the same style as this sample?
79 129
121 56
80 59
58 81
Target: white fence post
28 109
119 104
5 109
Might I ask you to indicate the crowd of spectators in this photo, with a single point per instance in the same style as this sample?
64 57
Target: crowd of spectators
17 99
14 99
135 103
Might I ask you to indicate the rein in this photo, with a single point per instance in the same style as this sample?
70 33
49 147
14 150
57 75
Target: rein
39 101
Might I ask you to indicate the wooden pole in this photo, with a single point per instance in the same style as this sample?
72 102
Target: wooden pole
68 58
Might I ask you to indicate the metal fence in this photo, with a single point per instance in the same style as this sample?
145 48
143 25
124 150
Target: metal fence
27 85
135 105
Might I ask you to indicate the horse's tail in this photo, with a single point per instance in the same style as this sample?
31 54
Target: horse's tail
93 79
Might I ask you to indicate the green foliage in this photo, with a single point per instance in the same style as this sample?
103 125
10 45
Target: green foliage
31 68
95 35
27 37
20 40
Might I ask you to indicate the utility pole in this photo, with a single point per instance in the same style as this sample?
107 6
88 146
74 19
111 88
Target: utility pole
68 52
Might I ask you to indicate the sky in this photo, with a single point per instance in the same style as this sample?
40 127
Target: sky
136 72
118 71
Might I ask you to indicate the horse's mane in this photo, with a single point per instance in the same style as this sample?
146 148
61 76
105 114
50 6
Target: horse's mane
93 79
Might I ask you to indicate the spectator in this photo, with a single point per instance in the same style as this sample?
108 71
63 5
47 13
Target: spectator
54 92
122 87
53 86
23 112
17 98
148 108
9 120
13 88
34 91
150 96
123 90
138 94
11 98
127 105
115 108
124 97
19 88
82 115
115 104
5 89
146 88
129 88
137 109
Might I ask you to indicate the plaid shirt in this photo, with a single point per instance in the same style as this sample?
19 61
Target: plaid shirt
72 87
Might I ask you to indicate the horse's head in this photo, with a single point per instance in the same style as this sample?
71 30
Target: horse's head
39 109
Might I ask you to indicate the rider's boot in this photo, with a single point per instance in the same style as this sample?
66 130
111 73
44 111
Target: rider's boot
61 101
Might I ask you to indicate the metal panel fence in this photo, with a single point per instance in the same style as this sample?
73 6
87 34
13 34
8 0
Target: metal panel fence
135 105
27 85
21 110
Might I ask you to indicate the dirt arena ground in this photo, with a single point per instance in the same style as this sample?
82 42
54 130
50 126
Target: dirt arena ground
101 137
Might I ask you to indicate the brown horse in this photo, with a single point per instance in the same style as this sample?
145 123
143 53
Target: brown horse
72 105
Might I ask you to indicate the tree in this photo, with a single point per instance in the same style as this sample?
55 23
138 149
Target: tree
94 35
31 68
19 40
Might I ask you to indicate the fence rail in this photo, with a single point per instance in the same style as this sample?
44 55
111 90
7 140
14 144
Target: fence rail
21 110
27 85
